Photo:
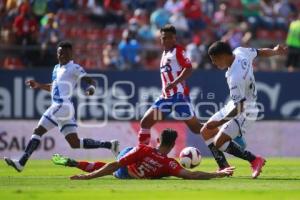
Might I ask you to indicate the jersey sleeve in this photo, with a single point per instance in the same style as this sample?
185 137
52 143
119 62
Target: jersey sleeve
182 59
237 91
54 72
250 53
174 167
132 157
79 71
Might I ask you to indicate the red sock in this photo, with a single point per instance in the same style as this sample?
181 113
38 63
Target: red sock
144 136
89 166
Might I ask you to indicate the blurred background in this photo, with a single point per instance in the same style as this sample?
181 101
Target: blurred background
119 39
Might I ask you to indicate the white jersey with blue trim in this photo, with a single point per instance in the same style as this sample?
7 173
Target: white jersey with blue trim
240 77
64 81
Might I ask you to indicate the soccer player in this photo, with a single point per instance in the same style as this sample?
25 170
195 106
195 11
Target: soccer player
241 111
61 112
175 68
141 162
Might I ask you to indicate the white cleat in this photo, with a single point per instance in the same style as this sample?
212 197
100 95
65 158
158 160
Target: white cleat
14 163
115 145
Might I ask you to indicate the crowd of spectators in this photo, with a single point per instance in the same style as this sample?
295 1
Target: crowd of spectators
124 34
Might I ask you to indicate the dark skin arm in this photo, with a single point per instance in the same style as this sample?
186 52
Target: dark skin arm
199 175
186 72
36 85
267 52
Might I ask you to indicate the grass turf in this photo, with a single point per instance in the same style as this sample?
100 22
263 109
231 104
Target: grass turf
43 180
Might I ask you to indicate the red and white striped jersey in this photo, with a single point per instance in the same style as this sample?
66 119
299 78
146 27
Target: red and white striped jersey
171 65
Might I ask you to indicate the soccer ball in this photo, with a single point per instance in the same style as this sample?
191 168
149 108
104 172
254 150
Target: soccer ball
190 157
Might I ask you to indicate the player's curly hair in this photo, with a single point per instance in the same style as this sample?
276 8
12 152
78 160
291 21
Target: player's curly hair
168 28
168 137
218 48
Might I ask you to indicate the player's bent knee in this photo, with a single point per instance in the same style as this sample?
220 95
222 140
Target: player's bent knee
220 140
195 131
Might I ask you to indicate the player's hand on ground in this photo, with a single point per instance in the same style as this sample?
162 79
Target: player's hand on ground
79 177
226 172
90 90
280 49
32 84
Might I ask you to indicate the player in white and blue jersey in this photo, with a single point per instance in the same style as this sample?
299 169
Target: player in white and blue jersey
65 76
241 111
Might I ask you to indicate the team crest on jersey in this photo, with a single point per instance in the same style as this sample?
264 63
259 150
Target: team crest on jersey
244 64
166 67
173 164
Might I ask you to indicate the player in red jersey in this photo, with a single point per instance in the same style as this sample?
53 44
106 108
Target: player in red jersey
142 162
175 68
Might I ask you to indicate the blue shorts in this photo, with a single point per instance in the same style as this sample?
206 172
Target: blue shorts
122 172
180 103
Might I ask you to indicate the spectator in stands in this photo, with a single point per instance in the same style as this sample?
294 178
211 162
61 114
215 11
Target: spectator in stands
159 18
269 15
144 32
223 20
114 12
181 25
293 43
238 36
149 5
111 56
193 12
39 8
285 9
195 52
252 12
55 5
12 63
129 50
25 27
50 35
173 6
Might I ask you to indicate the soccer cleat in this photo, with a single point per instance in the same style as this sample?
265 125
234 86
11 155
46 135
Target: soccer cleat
115 147
62 160
257 165
14 163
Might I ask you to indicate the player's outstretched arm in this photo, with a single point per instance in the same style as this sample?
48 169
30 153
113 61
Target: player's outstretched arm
199 175
90 90
107 169
277 50
36 85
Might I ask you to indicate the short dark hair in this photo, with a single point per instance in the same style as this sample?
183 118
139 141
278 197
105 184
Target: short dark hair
168 137
65 44
168 28
218 48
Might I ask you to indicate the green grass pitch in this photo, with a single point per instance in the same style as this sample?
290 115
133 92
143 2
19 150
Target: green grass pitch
43 180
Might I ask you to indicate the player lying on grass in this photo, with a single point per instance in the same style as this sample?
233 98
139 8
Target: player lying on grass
241 111
61 112
141 162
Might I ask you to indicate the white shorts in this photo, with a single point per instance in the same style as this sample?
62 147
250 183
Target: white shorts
237 126
61 115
